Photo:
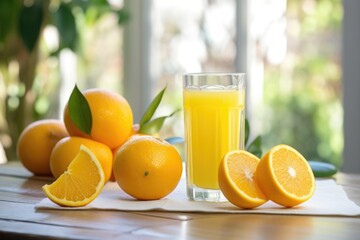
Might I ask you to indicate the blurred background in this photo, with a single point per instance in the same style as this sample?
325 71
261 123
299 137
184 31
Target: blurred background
291 51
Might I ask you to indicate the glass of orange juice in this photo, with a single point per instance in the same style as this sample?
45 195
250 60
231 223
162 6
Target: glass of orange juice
214 112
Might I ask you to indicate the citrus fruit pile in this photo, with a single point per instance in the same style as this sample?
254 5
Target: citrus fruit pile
283 176
83 159
82 162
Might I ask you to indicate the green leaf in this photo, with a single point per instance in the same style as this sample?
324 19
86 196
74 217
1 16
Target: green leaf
95 11
154 126
9 10
99 3
79 111
82 4
152 108
30 21
255 147
123 16
247 131
64 21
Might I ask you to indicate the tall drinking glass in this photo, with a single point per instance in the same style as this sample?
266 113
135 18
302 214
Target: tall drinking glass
214 111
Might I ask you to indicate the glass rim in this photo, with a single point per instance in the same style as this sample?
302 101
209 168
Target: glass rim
203 74
203 79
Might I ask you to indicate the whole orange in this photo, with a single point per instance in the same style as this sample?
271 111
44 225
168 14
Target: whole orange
37 141
147 168
112 118
134 132
67 148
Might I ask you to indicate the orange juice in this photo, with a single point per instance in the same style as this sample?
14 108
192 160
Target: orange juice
213 120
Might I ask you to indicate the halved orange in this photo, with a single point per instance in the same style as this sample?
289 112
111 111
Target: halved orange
285 177
80 184
236 179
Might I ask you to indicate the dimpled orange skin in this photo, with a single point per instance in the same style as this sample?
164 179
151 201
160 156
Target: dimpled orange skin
112 176
112 118
134 131
67 148
147 168
36 143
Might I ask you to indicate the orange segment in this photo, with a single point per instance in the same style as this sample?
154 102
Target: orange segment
236 179
80 184
285 176
67 148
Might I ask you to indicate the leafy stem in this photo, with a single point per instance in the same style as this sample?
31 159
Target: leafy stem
152 126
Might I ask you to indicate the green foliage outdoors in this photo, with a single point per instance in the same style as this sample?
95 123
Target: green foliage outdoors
303 95
26 96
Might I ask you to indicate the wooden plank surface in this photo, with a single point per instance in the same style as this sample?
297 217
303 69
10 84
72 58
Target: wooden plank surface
20 191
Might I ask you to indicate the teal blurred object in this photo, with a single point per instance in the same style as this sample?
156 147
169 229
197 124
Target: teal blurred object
322 169
175 140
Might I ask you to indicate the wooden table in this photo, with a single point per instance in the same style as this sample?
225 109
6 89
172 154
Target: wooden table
20 191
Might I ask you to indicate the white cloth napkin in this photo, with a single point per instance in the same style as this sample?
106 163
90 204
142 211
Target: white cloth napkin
329 199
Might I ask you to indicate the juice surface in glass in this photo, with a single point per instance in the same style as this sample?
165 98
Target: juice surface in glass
212 128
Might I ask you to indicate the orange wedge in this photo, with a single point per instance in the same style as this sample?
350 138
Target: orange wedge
80 184
285 177
236 179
